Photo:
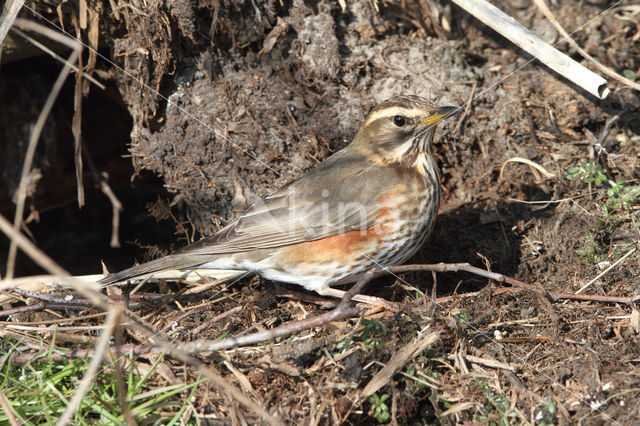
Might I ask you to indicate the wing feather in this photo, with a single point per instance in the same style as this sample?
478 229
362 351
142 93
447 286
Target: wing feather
337 197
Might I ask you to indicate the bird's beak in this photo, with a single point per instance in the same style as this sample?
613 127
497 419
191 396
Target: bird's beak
441 114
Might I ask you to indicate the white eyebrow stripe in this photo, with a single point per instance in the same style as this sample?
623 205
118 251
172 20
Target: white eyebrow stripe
391 111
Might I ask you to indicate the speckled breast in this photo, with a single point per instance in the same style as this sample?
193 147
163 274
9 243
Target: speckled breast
407 223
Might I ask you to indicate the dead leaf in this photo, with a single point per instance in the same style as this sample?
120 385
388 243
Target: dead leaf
271 39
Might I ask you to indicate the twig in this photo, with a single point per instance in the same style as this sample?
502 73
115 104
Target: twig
607 128
11 9
601 274
113 317
217 318
6 407
72 301
39 307
76 122
116 205
76 303
119 366
58 355
553 295
608 71
30 249
342 311
532 127
491 363
37 130
533 165
156 337
397 361
287 329
55 56
530 42
467 107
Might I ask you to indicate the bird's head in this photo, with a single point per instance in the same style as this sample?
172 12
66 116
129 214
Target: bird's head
399 129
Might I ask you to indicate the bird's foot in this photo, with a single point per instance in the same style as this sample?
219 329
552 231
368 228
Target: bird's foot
376 304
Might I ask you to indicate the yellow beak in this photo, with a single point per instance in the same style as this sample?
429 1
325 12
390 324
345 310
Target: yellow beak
441 114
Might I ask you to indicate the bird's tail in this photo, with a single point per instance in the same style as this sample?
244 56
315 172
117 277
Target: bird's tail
165 263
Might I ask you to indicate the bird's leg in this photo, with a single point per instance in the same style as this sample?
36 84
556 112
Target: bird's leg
362 298
305 296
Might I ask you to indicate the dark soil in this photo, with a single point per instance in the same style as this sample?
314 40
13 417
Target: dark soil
224 102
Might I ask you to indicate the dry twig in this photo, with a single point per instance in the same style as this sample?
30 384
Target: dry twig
342 311
533 165
6 407
37 128
608 71
156 337
467 107
113 317
55 56
553 295
601 274
399 360
116 205
531 43
11 9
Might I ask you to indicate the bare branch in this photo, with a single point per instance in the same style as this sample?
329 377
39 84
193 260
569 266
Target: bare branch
534 45
606 70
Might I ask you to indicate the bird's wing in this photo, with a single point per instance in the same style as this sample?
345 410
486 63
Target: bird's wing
338 196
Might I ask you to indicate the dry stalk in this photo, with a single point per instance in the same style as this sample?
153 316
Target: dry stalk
531 43
38 127
155 337
542 5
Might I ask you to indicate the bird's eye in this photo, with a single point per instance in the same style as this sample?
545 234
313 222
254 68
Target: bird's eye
399 121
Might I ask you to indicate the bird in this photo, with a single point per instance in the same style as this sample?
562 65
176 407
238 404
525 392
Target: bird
370 205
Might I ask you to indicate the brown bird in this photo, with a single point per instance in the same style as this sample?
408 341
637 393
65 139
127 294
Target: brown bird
369 205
